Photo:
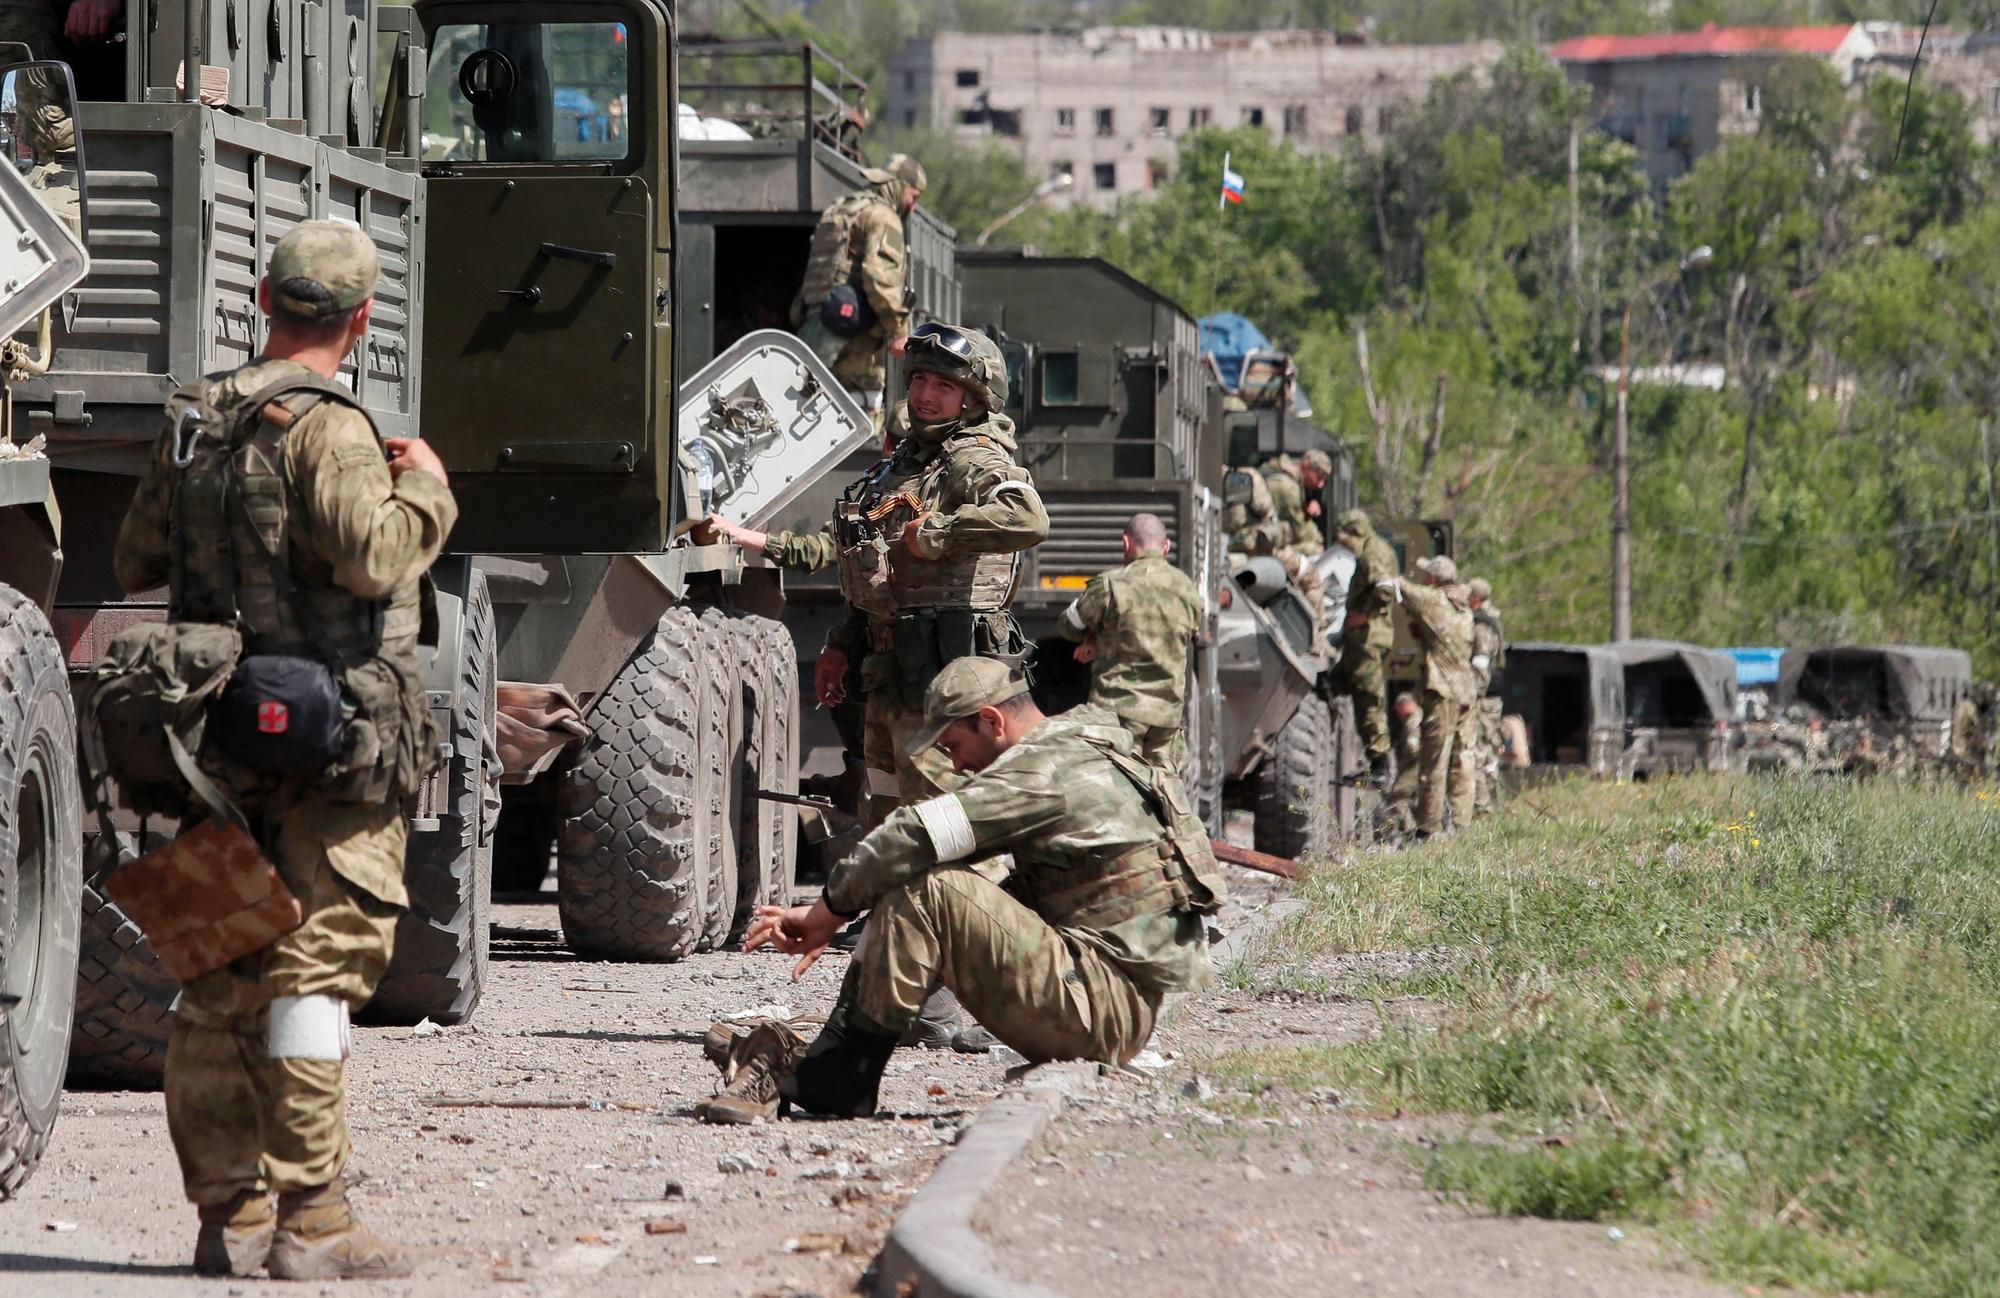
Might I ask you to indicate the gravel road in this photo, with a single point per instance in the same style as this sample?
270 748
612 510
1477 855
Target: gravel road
621 1194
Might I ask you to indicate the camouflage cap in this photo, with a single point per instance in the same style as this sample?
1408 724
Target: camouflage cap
1482 589
1318 461
322 268
960 690
1354 520
908 170
965 356
1439 568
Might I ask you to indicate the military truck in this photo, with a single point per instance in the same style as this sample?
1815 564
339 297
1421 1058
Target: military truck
619 668
41 800
1571 698
1680 705
1885 693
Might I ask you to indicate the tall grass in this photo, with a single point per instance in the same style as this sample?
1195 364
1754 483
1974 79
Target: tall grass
1761 1012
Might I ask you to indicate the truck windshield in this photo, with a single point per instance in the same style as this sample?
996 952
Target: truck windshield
516 93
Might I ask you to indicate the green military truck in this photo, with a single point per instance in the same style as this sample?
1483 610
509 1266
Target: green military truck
613 678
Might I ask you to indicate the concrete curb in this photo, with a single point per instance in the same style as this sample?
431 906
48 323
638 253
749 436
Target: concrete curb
932 1250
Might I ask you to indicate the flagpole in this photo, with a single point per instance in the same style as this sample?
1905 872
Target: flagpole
1215 239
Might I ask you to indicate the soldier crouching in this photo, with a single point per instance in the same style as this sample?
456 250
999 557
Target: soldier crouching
1101 919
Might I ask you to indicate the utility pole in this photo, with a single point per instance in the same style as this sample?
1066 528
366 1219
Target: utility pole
1621 492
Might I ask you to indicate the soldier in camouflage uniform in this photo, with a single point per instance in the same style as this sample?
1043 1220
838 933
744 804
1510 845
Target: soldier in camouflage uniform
859 241
1489 656
1441 618
1101 919
1370 634
1294 486
254 1087
1400 804
1255 527
1134 624
1972 732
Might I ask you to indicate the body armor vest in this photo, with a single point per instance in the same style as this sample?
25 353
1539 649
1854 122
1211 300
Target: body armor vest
1176 873
880 577
830 263
232 558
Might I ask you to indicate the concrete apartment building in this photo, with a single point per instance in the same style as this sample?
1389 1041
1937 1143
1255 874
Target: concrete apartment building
1675 94
1107 105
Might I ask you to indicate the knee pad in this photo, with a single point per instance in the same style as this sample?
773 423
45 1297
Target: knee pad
308 1027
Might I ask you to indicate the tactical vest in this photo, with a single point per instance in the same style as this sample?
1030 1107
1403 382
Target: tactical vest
231 554
881 578
1176 873
830 263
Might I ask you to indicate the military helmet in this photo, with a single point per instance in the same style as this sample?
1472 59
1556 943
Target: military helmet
965 356
908 170
1482 590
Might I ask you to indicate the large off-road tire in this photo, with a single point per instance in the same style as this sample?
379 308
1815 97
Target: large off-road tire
766 832
439 965
41 883
124 996
720 748
629 883
1294 786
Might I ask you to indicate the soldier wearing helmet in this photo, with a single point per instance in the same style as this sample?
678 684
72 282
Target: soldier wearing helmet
855 297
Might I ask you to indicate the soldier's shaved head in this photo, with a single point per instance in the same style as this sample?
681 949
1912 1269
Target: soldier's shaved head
1146 532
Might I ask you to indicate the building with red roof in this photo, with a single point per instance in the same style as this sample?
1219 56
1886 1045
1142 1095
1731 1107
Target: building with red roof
1673 95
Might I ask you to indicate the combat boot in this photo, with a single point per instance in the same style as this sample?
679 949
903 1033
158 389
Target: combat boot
235 1237
841 1074
723 1033
319 1238
936 1023
757 1062
973 1039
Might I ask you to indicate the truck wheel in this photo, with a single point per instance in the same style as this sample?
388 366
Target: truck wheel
1294 786
442 940
766 832
629 883
723 729
1353 796
41 883
124 996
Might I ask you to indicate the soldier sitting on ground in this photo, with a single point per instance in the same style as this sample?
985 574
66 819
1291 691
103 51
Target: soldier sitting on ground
1135 624
1101 919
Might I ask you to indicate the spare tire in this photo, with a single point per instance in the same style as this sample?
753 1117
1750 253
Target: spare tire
1294 785
124 995
41 883
438 967
629 884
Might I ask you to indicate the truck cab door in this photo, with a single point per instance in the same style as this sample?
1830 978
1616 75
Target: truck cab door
548 377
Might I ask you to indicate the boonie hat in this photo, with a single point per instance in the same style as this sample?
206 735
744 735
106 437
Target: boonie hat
961 689
322 268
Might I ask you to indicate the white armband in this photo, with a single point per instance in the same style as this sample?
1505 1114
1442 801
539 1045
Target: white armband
1002 488
945 821
1480 662
307 1027
1072 618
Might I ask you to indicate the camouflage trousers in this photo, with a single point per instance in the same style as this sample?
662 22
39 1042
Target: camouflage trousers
861 363
240 1120
1162 746
1491 742
1046 995
1362 678
888 724
1445 765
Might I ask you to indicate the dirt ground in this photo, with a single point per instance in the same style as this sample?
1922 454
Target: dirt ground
1154 1185
537 1200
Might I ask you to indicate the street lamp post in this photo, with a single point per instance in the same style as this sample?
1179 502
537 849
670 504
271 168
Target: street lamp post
1621 469
1054 185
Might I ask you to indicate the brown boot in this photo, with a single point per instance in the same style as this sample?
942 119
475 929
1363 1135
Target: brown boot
756 1062
235 1237
319 1239
724 1033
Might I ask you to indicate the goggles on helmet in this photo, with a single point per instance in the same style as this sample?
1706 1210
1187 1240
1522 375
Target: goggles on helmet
950 338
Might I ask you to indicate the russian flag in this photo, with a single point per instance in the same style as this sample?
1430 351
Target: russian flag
1232 183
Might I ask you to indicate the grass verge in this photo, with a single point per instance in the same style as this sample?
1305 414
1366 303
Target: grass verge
1761 1013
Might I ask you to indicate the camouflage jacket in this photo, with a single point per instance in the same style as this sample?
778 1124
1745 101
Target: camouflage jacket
1441 619
873 257
1371 592
1488 648
984 504
1087 848
1143 615
817 551
348 524
1288 508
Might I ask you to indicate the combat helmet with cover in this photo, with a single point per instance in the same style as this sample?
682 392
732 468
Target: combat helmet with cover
965 356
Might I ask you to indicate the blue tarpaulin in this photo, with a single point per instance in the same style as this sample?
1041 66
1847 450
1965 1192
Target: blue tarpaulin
1755 666
1228 338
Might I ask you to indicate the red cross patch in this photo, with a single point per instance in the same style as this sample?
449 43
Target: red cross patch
273 718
